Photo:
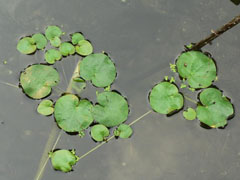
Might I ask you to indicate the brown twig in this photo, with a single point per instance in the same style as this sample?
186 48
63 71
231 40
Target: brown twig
216 33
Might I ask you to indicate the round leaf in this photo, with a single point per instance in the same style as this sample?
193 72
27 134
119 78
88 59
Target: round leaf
40 40
67 49
37 80
52 32
99 69
76 37
215 108
197 68
45 107
123 131
63 160
26 45
112 109
189 114
72 114
84 48
52 55
99 132
55 42
165 98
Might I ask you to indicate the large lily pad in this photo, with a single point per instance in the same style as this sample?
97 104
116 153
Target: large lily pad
99 69
197 68
165 98
26 45
72 114
40 40
37 80
215 108
112 109
99 132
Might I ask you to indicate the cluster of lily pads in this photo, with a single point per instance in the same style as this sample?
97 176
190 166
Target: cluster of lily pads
198 71
72 113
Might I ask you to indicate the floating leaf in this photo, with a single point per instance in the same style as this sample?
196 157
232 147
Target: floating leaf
63 160
84 48
67 49
72 114
55 42
40 40
26 45
197 68
99 132
165 98
112 109
99 69
76 37
123 131
37 80
52 55
189 114
215 108
52 32
45 107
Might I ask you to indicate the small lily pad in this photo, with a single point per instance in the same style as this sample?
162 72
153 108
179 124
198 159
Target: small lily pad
72 114
76 37
123 131
165 98
63 160
26 45
84 48
52 32
52 55
45 107
40 40
99 69
197 68
55 42
190 114
99 132
67 49
215 108
37 80
112 109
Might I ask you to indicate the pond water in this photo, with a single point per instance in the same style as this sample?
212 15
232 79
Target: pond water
142 37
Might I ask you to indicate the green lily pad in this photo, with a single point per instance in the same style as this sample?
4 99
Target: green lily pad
99 69
197 68
45 107
215 109
63 160
99 132
123 131
26 45
84 48
40 40
165 98
76 37
37 80
67 49
112 109
190 114
55 42
72 114
52 55
52 32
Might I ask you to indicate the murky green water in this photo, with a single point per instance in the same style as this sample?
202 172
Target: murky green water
142 37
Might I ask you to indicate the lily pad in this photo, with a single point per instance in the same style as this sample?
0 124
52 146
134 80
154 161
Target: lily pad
99 69
112 109
190 114
37 80
123 131
99 132
67 49
52 32
40 40
45 107
84 48
165 98
26 45
215 108
63 160
197 68
52 55
72 114
76 37
55 42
